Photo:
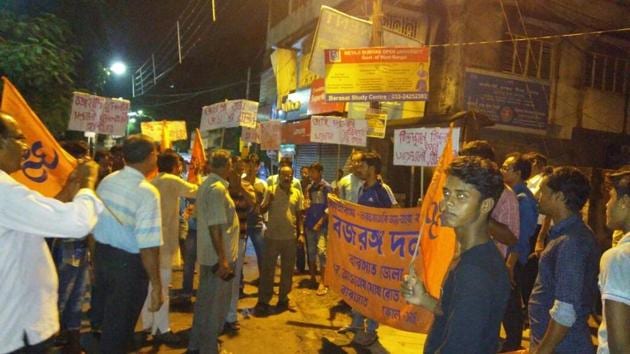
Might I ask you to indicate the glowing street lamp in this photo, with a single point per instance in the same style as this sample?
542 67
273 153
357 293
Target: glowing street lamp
118 68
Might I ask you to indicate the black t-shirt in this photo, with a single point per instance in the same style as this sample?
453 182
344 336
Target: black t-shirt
473 302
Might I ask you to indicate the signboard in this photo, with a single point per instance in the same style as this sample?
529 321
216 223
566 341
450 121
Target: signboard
176 129
337 130
377 74
421 146
270 135
336 29
296 104
508 100
369 253
298 132
377 123
251 135
229 114
98 114
317 104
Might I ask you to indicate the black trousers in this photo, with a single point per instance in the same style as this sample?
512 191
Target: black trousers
513 318
120 289
44 347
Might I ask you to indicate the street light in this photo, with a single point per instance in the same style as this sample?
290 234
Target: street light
118 68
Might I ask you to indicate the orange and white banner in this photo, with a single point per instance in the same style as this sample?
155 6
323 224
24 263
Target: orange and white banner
369 251
46 165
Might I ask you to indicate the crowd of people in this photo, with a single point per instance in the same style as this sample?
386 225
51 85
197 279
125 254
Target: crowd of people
525 256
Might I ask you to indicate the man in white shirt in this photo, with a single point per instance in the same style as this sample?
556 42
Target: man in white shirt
171 188
28 314
614 276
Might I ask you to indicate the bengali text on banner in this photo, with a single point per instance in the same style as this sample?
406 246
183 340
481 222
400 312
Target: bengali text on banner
369 252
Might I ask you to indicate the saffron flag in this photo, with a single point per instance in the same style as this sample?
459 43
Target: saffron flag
46 166
369 250
437 243
197 158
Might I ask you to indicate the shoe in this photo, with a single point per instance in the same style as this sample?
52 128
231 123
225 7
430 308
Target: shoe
192 351
255 282
231 327
286 305
168 338
364 339
261 310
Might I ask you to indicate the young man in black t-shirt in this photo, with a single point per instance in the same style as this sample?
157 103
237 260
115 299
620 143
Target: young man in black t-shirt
469 312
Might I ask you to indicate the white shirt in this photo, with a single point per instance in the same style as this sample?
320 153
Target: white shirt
28 292
171 188
614 283
348 187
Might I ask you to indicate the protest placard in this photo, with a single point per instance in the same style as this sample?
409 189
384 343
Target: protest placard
229 114
421 146
377 74
176 129
270 135
251 135
337 130
369 252
98 114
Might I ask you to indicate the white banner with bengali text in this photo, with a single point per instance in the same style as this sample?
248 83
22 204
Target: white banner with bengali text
229 114
421 146
337 130
98 114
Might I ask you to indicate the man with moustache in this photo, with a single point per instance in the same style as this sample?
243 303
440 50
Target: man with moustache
28 314
475 293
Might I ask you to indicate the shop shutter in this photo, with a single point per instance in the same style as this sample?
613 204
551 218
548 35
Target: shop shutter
328 158
305 155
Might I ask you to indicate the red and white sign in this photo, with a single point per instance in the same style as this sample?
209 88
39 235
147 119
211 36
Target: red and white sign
97 114
229 114
298 132
317 104
337 130
421 146
270 135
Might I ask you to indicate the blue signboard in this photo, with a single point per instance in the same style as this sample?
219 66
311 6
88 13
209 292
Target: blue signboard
508 99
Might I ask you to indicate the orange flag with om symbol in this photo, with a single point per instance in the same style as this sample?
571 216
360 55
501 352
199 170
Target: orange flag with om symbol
437 243
46 166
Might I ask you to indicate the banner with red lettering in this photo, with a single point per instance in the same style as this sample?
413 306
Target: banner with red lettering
338 130
46 165
97 114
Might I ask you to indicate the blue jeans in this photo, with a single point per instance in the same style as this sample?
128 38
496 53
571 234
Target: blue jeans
71 262
258 241
358 319
190 258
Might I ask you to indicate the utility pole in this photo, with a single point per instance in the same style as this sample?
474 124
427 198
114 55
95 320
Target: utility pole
249 77
376 41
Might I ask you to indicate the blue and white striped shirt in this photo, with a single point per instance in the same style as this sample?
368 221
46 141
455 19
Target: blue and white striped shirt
132 219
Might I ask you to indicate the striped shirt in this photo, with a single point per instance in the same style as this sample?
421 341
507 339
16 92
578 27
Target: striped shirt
133 201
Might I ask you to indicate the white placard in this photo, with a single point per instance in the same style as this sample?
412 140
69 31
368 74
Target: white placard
251 135
229 114
337 130
98 114
421 146
270 135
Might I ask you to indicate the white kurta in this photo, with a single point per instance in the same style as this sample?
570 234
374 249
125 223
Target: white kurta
28 294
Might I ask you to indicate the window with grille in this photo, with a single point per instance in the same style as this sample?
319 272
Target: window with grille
606 73
531 58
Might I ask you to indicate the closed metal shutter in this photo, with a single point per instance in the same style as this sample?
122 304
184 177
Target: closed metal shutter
331 159
305 155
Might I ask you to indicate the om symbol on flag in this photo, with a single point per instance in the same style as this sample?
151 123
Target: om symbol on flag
34 169
433 219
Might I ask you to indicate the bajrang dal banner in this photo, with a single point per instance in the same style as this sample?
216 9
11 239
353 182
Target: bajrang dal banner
46 165
369 252
377 74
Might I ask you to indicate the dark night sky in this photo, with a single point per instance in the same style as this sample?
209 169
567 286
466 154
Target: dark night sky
224 51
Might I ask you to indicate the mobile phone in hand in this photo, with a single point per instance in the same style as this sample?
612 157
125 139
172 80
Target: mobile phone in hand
229 276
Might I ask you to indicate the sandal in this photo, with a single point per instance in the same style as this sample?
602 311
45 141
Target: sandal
322 290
